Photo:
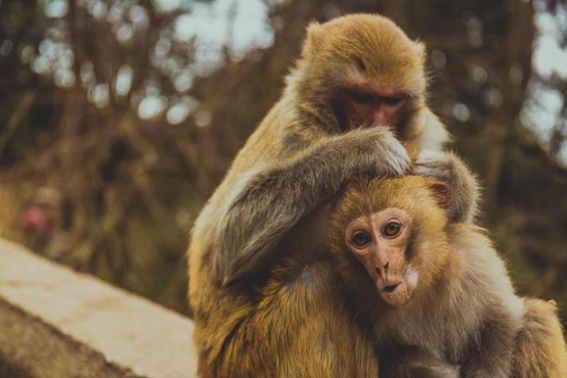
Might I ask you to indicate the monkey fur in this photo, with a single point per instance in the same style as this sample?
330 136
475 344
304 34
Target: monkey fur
355 104
425 285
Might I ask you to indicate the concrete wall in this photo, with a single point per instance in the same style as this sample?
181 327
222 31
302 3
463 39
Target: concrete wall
56 323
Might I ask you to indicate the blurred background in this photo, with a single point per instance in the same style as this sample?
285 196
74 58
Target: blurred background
118 119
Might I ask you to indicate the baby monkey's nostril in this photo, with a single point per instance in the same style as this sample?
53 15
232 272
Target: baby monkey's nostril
381 271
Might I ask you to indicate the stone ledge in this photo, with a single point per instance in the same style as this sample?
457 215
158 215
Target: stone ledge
57 323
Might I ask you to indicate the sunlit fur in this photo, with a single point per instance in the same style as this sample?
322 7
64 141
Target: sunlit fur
464 311
295 162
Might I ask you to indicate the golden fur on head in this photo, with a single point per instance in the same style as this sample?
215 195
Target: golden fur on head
417 195
365 48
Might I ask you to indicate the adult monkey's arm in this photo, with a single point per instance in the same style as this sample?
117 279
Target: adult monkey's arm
264 205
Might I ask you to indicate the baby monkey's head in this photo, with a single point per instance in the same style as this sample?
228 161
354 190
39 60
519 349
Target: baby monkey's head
394 229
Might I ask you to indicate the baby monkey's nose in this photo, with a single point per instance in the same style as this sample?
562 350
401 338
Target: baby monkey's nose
382 268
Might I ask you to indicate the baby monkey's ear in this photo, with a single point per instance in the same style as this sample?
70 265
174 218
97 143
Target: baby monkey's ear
440 192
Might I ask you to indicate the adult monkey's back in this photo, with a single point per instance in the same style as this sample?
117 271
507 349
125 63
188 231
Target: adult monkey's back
359 83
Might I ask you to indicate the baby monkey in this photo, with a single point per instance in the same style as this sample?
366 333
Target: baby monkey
432 290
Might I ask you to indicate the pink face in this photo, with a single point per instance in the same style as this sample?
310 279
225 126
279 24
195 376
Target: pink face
379 242
370 107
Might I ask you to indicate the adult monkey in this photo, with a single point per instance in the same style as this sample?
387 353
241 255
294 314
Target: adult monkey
359 82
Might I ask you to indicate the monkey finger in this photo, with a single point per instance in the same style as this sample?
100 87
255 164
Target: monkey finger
398 158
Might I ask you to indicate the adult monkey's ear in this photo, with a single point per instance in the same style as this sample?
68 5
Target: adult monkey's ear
440 191
313 40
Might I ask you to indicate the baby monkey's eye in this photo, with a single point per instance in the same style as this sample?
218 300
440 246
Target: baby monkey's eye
392 229
393 101
361 239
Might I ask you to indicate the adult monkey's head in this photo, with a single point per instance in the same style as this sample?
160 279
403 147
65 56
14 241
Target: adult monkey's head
360 71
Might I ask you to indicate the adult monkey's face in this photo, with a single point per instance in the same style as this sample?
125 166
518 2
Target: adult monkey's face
367 69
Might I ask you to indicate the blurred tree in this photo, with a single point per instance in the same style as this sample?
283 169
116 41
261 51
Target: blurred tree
131 111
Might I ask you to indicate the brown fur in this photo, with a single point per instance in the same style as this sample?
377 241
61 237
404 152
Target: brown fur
295 162
292 329
464 311
541 350
292 324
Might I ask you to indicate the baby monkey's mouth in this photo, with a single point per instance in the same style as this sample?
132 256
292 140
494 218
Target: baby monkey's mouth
390 288
394 293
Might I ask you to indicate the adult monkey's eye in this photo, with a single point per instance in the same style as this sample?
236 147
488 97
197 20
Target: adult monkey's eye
393 101
362 98
392 229
361 239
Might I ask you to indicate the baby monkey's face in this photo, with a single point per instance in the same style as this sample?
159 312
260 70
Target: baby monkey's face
382 243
